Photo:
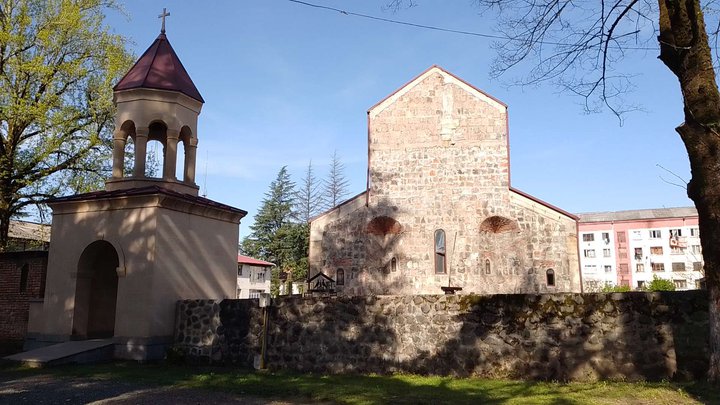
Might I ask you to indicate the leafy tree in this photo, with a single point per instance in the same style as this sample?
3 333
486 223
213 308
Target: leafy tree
335 185
308 199
578 46
58 62
660 284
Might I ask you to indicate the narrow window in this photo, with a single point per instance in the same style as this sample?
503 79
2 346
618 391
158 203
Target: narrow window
550 276
487 266
24 277
340 275
393 265
440 252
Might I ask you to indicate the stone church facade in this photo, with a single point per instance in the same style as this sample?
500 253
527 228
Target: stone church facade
439 210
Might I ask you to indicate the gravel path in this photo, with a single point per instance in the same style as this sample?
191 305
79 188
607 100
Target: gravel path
48 389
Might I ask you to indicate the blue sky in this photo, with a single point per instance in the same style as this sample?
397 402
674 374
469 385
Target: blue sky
285 84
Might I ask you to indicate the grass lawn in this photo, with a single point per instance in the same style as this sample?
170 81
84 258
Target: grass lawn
375 389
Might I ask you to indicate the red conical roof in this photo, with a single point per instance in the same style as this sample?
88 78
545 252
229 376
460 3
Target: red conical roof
159 68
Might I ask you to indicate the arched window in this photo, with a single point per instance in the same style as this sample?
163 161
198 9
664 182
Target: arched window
550 277
393 264
340 277
440 262
487 266
24 277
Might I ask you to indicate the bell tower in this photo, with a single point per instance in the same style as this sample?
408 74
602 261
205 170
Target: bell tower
156 101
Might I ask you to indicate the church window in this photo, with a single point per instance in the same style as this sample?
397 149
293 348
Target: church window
440 263
340 276
393 265
487 266
550 277
24 277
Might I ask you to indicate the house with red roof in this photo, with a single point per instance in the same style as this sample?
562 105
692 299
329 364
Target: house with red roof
253 277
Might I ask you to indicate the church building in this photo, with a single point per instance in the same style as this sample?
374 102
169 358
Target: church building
439 213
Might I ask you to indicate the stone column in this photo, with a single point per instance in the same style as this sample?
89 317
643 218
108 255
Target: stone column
170 154
190 153
141 140
119 141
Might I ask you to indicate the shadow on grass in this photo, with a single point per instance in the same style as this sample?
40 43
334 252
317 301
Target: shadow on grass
365 389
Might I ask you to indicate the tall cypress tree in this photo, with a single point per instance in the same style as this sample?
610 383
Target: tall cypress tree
308 199
335 185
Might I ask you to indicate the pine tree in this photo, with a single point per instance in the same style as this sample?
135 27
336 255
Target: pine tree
335 186
308 199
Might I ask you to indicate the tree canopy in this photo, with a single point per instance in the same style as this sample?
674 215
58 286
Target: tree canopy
58 62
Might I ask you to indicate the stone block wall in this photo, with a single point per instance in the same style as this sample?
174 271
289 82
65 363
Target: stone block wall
633 336
17 289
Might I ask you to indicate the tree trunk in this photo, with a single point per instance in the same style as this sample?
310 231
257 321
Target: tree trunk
685 50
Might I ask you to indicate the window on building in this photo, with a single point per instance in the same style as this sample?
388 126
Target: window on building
676 250
488 270
260 276
637 235
675 232
606 237
638 253
240 266
238 293
697 266
658 266
639 268
353 273
694 231
393 264
588 237
550 277
678 266
696 249
641 285
680 284
655 234
656 250
255 293
340 276
622 253
440 252
623 269
590 253
608 268
621 237
606 252
24 270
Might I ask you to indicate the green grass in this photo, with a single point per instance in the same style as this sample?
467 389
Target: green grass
375 389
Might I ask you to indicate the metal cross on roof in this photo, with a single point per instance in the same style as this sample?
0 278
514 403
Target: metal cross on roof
163 15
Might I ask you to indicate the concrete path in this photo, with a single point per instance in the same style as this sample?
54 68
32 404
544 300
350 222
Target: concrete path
77 351
48 389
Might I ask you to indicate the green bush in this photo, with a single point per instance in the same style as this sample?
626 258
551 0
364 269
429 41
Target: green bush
660 284
609 288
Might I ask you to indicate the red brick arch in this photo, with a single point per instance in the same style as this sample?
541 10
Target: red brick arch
383 226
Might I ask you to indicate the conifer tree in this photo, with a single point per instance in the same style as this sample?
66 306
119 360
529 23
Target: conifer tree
335 185
308 199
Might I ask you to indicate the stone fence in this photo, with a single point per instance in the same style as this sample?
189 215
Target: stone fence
630 336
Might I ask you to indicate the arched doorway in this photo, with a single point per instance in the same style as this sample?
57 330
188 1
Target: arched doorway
96 291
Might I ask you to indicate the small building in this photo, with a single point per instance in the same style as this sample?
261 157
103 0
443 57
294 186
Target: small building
629 248
24 235
253 277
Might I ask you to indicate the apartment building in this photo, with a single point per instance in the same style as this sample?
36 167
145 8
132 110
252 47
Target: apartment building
253 277
630 247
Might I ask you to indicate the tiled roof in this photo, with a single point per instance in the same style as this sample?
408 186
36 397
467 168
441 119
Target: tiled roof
159 68
149 190
29 231
630 215
253 262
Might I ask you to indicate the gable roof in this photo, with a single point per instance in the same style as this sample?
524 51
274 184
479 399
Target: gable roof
632 215
382 104
159 68
253 262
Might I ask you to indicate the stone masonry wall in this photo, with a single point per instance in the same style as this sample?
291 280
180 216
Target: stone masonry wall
633 336
438 159
14 296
